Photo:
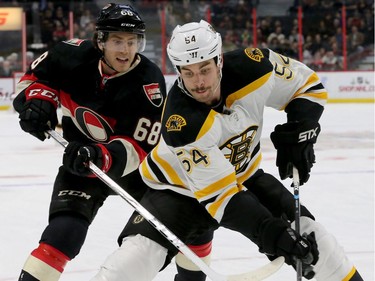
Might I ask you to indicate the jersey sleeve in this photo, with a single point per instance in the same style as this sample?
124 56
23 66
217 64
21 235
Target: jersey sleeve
295 84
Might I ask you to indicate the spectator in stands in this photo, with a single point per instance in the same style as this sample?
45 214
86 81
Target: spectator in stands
29 57
47 27
229 41
355 39
368 21
60 33
289 49
15 63
226 23
262 40
203 7
317 43
317 58
90 29
239 21
6 69
61 17
1 60
293 35
86 18
307 57
265 27
311 7
323 29
326 4
278 34
330 61
273 43
246 38
187 17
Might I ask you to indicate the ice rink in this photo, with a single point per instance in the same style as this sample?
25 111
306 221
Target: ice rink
340 193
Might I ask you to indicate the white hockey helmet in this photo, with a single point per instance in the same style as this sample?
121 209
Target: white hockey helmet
193 43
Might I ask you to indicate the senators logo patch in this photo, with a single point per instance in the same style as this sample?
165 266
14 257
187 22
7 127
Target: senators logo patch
175 123
74 42
254 54
153 94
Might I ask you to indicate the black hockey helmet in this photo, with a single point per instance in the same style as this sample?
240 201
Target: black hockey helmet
117 17
120 18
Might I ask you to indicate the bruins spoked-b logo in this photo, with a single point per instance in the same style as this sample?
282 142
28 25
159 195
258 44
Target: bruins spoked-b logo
237 149
175 123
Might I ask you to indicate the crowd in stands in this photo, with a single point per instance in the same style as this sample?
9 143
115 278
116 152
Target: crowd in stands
322 26
53 23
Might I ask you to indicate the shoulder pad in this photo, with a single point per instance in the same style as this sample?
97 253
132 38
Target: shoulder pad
183 118
244 66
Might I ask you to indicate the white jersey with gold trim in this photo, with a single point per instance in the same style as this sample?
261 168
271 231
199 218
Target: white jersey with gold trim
208 153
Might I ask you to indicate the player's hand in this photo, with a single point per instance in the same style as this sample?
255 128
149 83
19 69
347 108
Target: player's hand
77 156
293 246
278 239
38 113
294 142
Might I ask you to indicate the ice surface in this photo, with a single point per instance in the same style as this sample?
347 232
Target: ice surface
340 194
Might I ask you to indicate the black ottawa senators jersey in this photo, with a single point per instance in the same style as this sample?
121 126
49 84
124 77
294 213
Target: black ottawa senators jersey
124 108
207 153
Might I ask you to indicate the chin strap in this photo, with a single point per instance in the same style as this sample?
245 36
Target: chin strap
106 63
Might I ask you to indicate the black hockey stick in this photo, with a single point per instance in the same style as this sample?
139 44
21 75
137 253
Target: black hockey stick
255 275
297 216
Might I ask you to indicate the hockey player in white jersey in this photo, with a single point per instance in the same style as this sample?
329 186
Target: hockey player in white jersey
205 171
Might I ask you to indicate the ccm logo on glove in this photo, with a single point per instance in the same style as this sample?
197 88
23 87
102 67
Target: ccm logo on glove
43 93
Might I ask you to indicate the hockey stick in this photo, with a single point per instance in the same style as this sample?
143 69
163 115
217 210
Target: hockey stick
255 275
297 216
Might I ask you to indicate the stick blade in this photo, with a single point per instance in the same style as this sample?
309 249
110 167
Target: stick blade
260 273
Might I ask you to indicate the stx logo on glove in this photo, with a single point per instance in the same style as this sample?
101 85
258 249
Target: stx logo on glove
304 136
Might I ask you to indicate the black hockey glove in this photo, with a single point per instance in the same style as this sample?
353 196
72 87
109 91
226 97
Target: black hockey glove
278 239
38 113
77 156
294 142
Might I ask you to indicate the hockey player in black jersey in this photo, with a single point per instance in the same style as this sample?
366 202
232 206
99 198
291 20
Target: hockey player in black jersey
111 98
205 171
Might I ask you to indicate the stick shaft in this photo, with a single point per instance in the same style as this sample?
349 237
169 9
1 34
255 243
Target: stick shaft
297 216
258 274
146 214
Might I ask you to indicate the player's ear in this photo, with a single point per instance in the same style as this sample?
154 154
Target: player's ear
220 60
100 45
99 39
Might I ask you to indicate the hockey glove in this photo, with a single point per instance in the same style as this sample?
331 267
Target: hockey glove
294 142
38 112
278 239
77 156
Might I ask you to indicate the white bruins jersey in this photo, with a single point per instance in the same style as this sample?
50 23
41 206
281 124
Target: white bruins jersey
208 153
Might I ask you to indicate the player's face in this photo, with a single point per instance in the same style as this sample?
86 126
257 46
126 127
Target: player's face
120 50
202 80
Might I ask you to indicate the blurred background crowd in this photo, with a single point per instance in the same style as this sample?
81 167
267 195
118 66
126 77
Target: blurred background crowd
242 23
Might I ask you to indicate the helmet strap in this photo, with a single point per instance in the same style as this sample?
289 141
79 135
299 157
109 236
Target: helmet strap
107 63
